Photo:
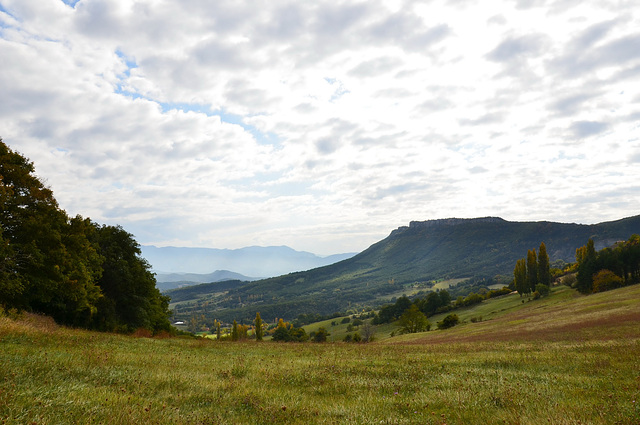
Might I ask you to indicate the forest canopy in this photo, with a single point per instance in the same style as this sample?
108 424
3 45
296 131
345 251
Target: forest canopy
77 271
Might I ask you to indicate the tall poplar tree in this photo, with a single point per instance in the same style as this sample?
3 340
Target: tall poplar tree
520 277
532 270
235 335
259 330
587 267
544 271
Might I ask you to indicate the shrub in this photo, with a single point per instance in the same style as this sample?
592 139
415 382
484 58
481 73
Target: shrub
321 335
543 290
448 322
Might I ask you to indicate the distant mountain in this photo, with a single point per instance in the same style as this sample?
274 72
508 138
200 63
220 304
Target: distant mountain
250 261
166 281
411 256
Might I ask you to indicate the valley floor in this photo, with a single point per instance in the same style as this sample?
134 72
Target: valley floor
568 359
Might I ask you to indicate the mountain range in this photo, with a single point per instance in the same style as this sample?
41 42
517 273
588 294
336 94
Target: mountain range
255 261
166 281
411 258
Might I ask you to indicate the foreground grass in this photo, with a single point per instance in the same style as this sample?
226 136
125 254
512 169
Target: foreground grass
54 375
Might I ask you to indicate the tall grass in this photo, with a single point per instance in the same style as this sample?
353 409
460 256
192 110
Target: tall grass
55 375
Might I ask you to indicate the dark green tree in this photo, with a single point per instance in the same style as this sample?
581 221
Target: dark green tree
532 269
448 322
235 334
79 273
544 270
131 299
320 335
520 277
49 266
587 266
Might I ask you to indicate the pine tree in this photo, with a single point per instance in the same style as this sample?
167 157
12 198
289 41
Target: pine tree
258 323
544 271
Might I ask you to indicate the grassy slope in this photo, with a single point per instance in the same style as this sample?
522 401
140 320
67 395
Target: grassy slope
567 359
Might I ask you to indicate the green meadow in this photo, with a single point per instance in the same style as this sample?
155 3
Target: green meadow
564 359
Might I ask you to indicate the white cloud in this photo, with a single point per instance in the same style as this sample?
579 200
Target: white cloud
323 125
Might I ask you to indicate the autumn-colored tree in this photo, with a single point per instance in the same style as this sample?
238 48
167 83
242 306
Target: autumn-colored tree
606 280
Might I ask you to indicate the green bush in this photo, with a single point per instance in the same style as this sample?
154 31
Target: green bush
543 290
448 322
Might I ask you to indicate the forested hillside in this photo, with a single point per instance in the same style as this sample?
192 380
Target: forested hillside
410 257
77 271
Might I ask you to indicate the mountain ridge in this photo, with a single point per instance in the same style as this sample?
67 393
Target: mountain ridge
411 258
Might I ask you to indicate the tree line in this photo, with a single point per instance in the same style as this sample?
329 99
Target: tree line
533 273
77 271
609 268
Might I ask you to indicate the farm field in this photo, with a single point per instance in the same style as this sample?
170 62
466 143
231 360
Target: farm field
565 359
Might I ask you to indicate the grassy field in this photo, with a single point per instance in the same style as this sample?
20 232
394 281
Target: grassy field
566 359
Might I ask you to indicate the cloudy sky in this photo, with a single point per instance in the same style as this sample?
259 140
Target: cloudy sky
324 125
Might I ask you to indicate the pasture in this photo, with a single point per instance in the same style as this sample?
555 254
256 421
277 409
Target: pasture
566 359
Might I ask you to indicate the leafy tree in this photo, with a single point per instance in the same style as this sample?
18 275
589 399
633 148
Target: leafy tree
321 335
520 277
532 269
259 330
49 265
76 271
587 266
413 320
281 334
131 299
298 334
605 280
434 302
286 332
544 270
445 297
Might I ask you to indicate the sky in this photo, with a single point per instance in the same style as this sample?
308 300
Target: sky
323 125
